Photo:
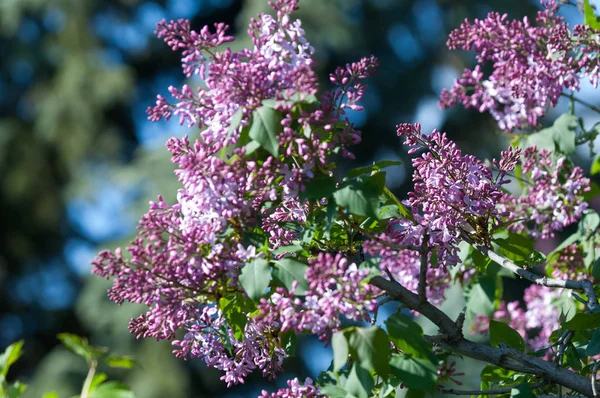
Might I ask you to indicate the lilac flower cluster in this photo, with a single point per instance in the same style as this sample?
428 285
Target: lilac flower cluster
532 65
336 289
188 256
552 197
205 339
194 45
452 192
279 67
569 264
447 371
296 390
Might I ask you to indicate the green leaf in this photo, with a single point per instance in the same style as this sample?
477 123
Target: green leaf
401 207
590 253
12 353
559 137
502 333
50 394
589 224
412 393
386 389
481 297
572 359
321 186
333 391
389 211
124 362
565 305
593 347
255 278
480 261
370 347
98 379
377 166
288 270
416 373
521 391
359 382
590 18
80 346
288 342
330 216
340 347
329 384
583 321
592 193
361 196
266 125
407 336
15 390
595 169
516 248
235 308
288 249
112 389
251 147
495 374
236 119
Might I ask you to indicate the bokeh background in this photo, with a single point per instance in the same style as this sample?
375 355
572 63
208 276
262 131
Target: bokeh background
79 161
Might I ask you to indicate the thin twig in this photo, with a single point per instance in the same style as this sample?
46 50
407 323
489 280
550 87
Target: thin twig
498 391
423 272
582 102
87 384
593 381
389 274
561 354
584 284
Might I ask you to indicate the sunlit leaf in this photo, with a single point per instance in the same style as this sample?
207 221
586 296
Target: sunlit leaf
416 373
339 344
10 355
502 333
255 278
370 347
266 125
289 270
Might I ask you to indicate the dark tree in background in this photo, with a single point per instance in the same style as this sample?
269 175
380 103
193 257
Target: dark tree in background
76 152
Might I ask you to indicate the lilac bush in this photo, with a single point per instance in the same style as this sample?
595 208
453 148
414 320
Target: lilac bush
267 239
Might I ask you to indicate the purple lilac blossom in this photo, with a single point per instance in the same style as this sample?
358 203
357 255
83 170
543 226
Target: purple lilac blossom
296 390
337 288
452 192
570 263
205 337
532 65
552 197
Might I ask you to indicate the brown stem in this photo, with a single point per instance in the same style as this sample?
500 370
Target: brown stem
497 391
504 357
423 271
582 102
